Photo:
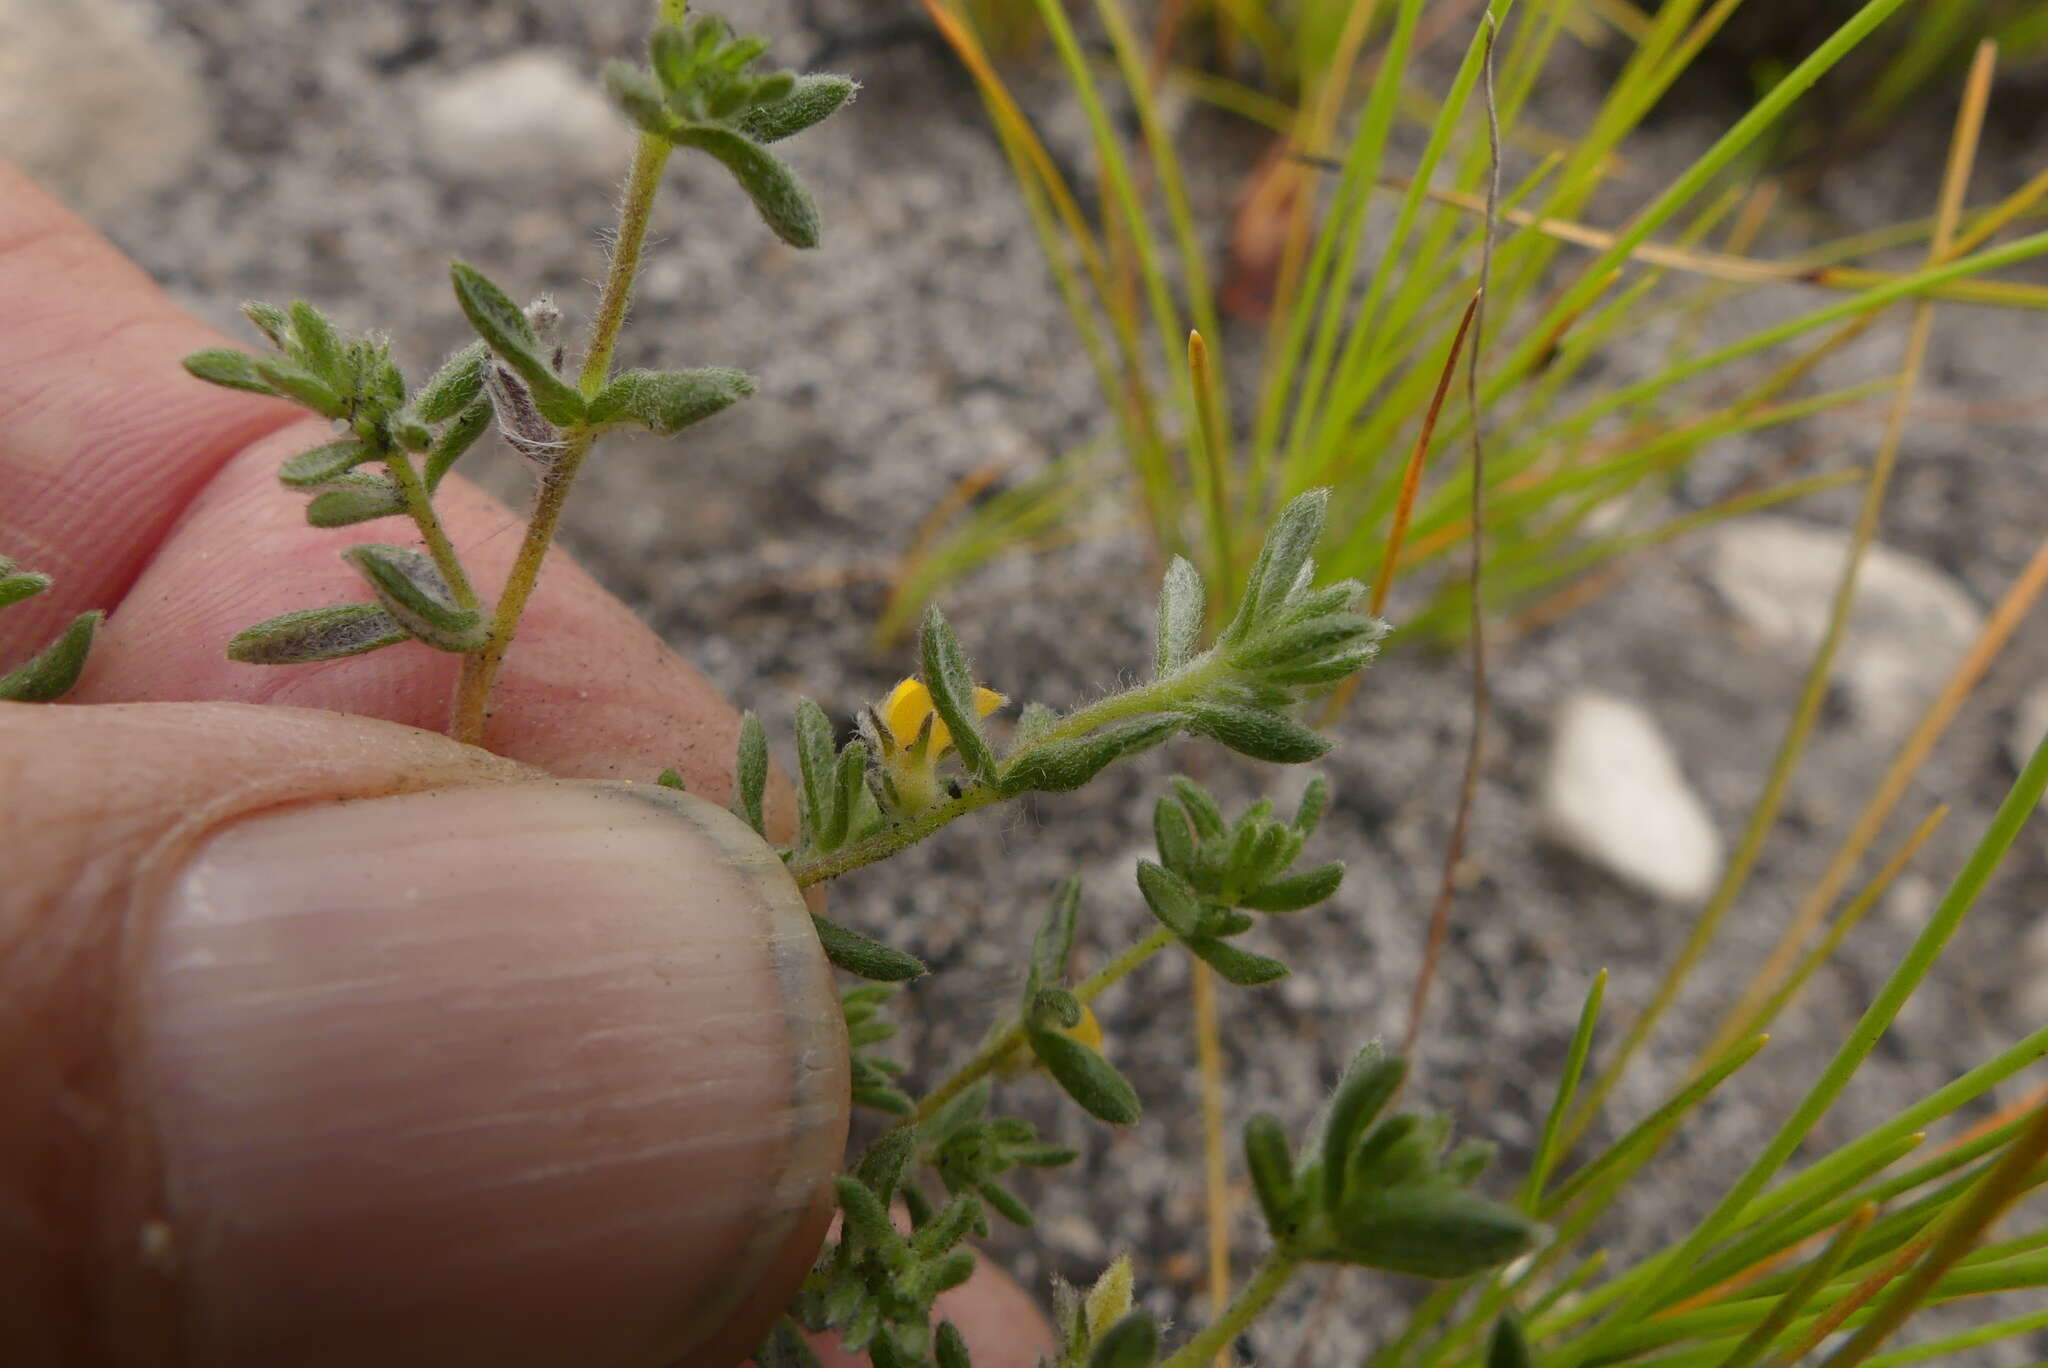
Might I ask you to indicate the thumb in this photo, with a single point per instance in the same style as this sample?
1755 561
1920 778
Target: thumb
328 1041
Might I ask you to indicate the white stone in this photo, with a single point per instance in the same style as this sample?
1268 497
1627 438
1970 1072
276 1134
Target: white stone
533 114
1910 626
94 105
1614 795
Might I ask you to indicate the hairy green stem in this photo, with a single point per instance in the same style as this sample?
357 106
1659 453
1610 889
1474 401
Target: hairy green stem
889 840
420 505
1244 1308
1161 695
480 673
991 1055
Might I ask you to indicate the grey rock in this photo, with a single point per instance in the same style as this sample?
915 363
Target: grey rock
1911 623
94 104
531 114
1614 795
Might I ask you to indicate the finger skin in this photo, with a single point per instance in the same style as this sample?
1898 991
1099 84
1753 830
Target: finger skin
100 810
103 437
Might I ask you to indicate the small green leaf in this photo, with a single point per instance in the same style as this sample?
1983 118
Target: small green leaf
323 464
951 681
1086 1077
355 498
811 99
817 781
750 773
299 384
1005 1204
453 387
849 785
1369 1083
319 347
18 585
666 402
867 1216
1297 891
1433 1232
1054 942
785 206
1505 1347
456 439
1395 1153
1171 898
870 959
1062 766
505 326
1174 835
49 675
1262 735
345 629
1202 809
411 589
1180 617
889 1101
1054 1008
273 322
1314 800
1306 643
1286 550
1270 1162
786 1347
949 1347
1240 967
1133 1342
229 368
670 779
637 93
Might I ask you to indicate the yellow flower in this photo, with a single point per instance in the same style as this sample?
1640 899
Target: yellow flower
1087 1030
910 703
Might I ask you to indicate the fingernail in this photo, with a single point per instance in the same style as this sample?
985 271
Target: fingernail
540 1073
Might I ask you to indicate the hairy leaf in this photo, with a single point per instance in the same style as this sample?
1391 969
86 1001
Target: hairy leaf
49 675
810 99
951 682
1086 1077
1180 617
750 773
345 629
870 959
1062 766
1262 735
409 586
666 402
785 206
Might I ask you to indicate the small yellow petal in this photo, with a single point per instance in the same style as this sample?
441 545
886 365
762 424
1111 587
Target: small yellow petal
905 710
1087 1030
987 701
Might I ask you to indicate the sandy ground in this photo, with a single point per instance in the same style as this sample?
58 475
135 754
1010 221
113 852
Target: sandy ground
923 340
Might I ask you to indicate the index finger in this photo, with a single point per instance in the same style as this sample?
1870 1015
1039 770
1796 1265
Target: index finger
104 440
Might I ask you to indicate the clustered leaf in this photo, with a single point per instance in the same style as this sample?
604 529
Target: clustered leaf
1050 1012
1287 641
1209 871
701 92
1381 1192
49 674
875 1285
874 1076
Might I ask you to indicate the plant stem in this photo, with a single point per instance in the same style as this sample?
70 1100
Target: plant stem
480 672
1242 1311
420 505
990 1055
889 840
1161 695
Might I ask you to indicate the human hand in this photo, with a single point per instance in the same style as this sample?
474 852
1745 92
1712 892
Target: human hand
324 1039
